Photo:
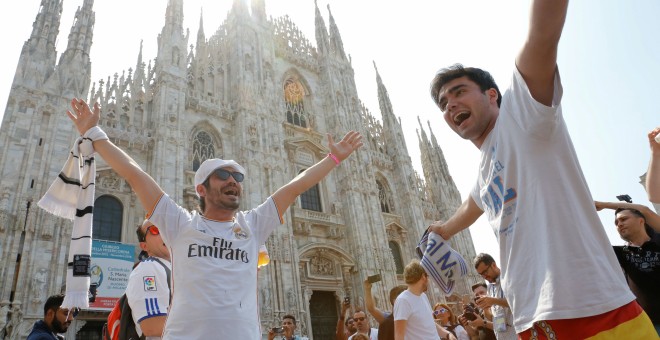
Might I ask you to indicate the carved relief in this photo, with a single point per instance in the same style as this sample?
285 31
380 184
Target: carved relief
320 265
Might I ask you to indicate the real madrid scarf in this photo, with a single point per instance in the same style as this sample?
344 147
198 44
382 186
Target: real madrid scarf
442 263
71 196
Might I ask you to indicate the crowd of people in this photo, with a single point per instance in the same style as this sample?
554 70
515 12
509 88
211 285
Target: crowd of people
558 277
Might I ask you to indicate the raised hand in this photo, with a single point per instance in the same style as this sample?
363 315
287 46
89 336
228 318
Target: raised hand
655 146
351 142
81 115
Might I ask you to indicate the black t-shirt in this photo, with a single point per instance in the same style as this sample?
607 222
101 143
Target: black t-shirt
642 269
386 328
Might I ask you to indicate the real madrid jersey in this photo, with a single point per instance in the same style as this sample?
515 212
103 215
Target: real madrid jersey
148 292
214 270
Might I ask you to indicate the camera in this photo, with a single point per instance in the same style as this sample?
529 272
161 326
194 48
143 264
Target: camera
347 300
278 330
470 312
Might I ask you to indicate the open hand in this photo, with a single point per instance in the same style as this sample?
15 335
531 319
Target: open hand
655 146
344 148
82 116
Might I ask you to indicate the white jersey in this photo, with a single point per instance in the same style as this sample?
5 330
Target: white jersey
147 291
214 270
556 260
416 309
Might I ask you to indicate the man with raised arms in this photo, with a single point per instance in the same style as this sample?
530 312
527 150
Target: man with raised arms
531 187
214 255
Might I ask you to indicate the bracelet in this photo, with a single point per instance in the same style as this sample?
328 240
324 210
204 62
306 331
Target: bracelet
334 158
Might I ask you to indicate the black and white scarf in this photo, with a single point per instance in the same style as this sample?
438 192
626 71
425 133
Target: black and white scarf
71 196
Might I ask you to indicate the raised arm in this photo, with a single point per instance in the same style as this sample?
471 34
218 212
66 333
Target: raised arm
464 217
146 189
653 175
537 61
285 195
369 302
652 219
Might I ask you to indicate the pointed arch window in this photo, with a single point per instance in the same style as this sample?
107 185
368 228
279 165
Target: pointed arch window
108 216
311 199
396 253
386 202
294 93
202 149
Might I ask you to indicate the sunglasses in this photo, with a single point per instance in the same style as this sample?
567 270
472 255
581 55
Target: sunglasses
152 229
73 312
224 175
359 319
438 311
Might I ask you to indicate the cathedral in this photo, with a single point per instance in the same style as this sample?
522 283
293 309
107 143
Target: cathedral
256 91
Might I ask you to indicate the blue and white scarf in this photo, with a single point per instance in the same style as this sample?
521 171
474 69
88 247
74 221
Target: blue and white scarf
442 263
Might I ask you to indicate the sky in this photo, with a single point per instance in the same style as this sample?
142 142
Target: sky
608 61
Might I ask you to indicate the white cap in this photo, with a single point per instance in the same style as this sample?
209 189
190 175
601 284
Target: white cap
209 165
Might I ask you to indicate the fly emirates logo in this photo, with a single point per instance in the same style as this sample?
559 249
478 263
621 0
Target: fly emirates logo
220 249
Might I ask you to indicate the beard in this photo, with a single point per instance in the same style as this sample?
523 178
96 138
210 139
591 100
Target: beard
59 327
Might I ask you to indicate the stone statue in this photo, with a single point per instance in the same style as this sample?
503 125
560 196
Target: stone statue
39 285
14 326
4 310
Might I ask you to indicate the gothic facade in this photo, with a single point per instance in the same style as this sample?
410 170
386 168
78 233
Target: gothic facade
256 91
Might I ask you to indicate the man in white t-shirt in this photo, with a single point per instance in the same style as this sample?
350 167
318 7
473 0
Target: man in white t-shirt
531 187
148 290
362 326
413 315
214 254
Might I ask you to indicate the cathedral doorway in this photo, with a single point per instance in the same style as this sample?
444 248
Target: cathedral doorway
323 314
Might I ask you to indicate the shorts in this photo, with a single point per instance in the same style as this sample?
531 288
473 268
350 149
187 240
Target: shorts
626 322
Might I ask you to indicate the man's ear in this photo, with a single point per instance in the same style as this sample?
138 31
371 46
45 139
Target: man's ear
143 246
50 315
201 190
492 95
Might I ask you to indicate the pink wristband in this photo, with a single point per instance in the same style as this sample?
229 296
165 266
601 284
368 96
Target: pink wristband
334 158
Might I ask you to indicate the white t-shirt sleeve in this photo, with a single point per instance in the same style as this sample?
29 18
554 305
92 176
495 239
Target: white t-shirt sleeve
402 309
264 219
147 291
169 217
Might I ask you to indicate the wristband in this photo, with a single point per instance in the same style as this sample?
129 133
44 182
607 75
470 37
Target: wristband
334 158
95 133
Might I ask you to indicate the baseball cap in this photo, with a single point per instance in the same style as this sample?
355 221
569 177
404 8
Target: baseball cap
209 165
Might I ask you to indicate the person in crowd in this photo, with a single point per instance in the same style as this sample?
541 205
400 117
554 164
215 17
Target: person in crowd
55 322
444 316
288 329
413 316
653 174
639 226
495 300
214 253
148 289
345 328
531 187
477 322
363 327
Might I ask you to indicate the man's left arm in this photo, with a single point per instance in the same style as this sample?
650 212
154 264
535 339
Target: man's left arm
537 61
286 195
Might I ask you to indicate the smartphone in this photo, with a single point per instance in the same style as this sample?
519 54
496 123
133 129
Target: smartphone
278 330
374 278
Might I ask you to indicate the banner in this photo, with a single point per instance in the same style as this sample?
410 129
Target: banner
112 263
